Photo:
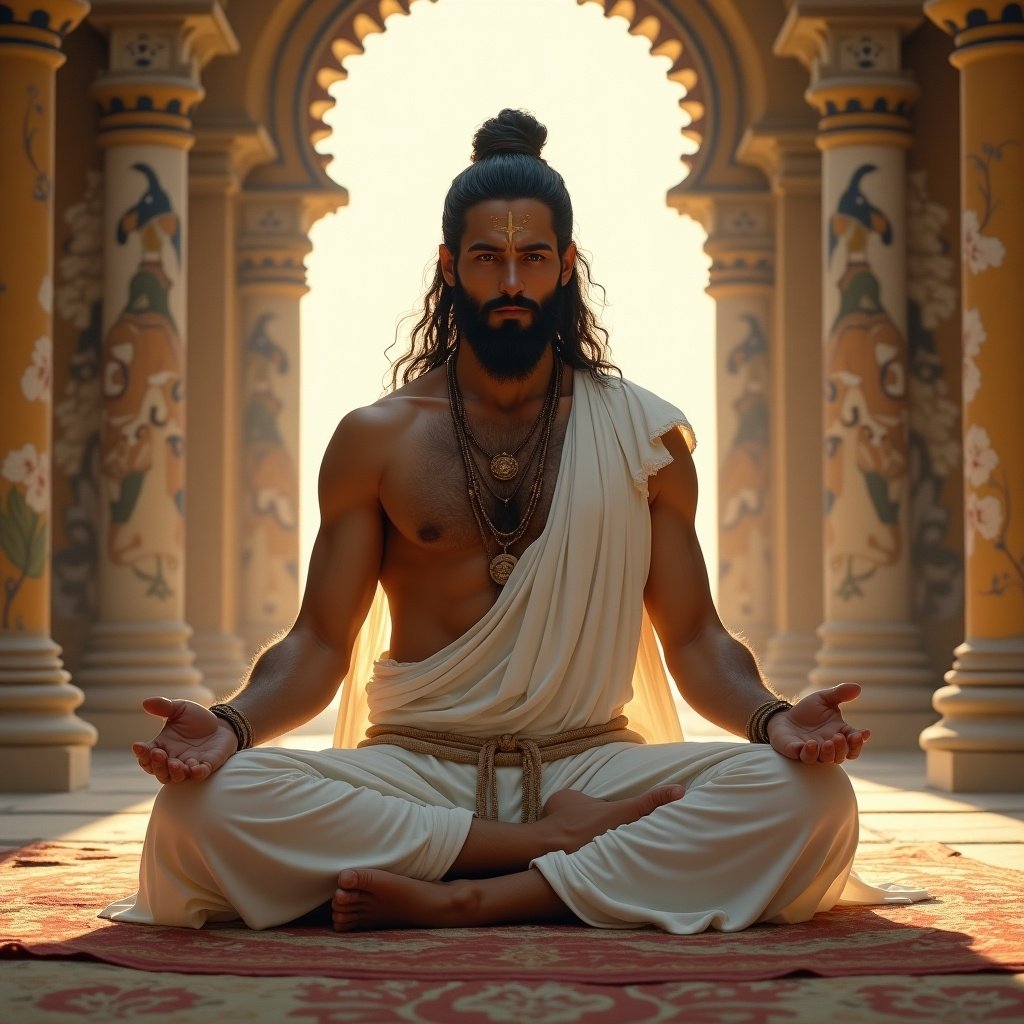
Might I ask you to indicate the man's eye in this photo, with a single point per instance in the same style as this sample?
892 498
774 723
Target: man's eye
485 257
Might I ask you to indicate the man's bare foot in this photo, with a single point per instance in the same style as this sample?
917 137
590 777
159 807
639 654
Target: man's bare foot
368 898
575 818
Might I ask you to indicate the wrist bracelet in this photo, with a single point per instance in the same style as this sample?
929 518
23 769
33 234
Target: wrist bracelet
757 724
240 725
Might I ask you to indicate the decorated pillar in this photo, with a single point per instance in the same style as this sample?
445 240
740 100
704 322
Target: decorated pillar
43 743
140 643
739 244
864 99
219 160
271 282
979 743
792 164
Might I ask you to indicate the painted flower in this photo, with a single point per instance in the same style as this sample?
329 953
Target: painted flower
964 1002
81 265
930 268
37 379
935 418
982 515
974 336
980 251
29 467
980 457
45 294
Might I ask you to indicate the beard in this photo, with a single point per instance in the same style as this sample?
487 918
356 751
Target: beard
511 351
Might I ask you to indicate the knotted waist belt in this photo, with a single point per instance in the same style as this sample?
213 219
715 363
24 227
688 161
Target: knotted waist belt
506 751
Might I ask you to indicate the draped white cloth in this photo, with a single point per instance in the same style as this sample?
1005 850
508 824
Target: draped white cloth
523 668
757 836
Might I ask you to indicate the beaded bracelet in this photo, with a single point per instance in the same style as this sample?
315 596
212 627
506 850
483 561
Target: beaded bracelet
240 725
757 724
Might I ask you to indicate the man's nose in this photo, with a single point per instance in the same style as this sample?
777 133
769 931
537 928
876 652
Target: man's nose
511 284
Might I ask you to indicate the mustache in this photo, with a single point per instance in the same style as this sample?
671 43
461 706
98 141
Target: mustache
517 303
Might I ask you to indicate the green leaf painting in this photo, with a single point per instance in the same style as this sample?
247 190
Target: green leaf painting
23 535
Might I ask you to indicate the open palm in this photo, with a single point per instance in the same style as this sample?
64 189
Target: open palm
190 747
814 730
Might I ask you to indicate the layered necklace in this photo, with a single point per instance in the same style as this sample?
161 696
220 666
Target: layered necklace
504 467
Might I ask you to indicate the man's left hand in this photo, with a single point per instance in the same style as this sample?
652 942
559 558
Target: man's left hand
814 730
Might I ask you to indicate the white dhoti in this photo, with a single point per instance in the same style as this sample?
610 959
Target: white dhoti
757 837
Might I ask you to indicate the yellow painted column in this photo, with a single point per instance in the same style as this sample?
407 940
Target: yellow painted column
272 245
740 246
791 162
979 743
140 644
43 744
863 99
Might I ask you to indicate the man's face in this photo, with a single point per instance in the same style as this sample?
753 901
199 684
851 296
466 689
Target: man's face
507 284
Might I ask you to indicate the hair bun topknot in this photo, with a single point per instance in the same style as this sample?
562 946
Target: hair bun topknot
512 131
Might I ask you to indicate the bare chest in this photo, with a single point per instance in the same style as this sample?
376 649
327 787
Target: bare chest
425 489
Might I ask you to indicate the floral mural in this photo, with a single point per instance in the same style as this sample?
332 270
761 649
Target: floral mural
77 411
934 410
866 460
987 500
26 470
143 444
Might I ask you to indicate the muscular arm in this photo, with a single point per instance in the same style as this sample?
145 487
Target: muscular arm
715 672
295 678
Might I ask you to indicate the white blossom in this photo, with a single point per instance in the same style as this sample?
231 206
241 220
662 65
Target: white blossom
980 458
28 466
37 379
980 251
982 515
45 294
973 338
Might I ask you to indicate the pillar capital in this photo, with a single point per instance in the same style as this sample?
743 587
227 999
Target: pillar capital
224 152
739 242
156 110
979 28
177 37
787 155
36 29
842 37
273 242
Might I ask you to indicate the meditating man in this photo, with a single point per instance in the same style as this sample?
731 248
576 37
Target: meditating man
528 515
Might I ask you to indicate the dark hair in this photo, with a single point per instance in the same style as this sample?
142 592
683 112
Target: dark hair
506 164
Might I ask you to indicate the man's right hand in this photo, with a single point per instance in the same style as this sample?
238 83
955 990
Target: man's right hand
190 747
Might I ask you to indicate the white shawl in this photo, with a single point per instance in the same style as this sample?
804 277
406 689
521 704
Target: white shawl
568 642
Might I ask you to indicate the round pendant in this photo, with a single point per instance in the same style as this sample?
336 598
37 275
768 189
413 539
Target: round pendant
504 466
501 567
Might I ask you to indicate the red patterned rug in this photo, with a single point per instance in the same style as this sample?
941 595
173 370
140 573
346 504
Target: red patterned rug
52 891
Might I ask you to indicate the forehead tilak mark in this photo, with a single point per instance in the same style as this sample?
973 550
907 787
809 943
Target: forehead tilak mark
512 226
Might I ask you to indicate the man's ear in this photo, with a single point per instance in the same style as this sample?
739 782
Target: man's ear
568 263
446 259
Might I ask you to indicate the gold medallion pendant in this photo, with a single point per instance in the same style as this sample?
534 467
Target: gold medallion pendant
504 466
501 567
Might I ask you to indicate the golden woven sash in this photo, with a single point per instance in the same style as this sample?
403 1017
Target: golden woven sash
509 750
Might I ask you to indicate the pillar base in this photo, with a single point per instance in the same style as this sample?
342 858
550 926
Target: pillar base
128 661
788 660
220 659
55 769
890 663
44 745
981 735
964 771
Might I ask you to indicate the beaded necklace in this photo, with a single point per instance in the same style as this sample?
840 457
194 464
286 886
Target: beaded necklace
501 565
